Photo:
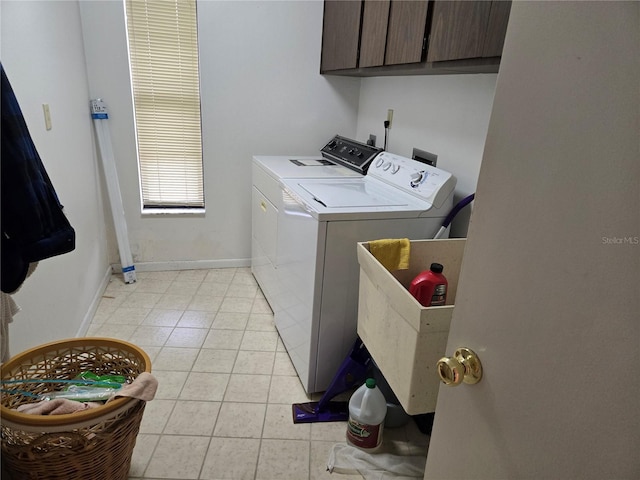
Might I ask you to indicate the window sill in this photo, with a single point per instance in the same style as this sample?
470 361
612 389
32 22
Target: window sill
171 212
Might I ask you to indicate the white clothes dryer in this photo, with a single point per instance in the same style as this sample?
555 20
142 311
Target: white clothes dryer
340 158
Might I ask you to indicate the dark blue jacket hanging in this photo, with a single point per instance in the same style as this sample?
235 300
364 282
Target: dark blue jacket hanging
34 226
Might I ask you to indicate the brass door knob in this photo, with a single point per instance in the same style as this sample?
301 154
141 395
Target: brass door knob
464 366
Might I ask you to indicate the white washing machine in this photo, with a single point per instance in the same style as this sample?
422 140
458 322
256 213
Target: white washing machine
319 222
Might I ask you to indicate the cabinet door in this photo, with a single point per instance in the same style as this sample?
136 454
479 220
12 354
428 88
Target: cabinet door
406 32
458 30
340 34
496 29
375 19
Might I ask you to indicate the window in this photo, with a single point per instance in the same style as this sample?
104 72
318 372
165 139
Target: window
163 56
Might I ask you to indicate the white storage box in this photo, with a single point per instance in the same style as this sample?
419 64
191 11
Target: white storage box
404 338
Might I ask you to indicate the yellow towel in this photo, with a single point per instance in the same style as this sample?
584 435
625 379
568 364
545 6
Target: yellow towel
392 253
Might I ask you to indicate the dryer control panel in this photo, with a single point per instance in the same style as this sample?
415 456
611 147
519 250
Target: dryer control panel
424 181
350 153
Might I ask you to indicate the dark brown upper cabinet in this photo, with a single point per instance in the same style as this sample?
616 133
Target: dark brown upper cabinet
497 28
340 35
393 32
412 37
467 29
373 40
406 34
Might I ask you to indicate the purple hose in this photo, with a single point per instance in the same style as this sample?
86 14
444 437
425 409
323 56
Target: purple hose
459 206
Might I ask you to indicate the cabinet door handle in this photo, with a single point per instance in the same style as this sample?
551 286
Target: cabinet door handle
263 206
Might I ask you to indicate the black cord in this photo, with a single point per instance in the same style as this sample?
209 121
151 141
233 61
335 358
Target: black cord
386 134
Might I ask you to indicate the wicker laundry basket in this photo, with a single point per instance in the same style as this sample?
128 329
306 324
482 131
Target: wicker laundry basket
93 444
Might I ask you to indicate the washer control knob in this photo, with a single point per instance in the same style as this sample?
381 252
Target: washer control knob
416 178
386 166
395 168
379 162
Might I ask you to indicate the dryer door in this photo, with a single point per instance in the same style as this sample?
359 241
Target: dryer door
264 233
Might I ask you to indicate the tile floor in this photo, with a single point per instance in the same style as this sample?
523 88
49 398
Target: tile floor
226 384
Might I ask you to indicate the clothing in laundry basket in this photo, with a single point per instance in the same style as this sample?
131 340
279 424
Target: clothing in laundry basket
143 388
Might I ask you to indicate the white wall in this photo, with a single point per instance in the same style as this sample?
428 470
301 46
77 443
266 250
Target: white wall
261 94
447 115
43 57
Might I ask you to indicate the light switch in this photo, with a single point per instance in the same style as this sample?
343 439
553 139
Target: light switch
47 116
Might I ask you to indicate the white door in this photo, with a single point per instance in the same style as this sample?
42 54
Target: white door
548 295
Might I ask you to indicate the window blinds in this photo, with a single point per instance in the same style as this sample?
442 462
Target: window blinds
163 53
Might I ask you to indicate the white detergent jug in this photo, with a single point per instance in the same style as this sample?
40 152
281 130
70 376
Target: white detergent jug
367 409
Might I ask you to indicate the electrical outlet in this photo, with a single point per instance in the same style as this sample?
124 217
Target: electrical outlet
372 140
390 117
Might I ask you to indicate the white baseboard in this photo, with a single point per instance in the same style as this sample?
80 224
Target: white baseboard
88 318
186 265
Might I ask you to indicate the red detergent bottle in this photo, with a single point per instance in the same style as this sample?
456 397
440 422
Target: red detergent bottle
430 287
